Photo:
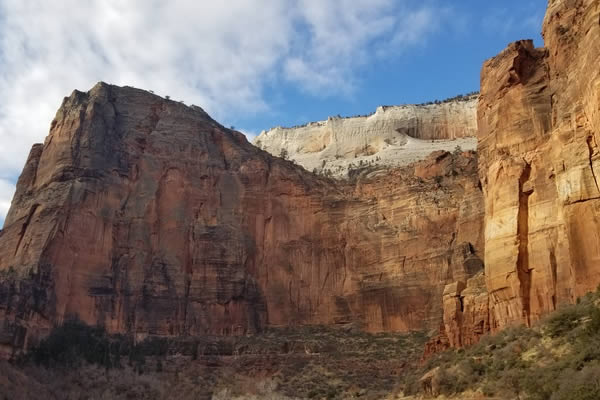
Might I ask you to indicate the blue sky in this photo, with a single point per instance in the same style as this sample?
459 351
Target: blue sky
283 63
445 63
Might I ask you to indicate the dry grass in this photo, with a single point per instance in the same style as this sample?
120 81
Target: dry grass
286 364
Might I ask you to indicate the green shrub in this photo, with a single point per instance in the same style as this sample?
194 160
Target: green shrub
579 385
563 321
558 359
73 342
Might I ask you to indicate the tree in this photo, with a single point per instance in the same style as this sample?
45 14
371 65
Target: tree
283 154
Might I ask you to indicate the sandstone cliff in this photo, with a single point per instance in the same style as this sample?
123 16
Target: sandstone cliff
393 135
539 126
147 217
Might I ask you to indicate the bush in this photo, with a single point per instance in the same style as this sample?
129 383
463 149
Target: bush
556 360
579 385
563 321
74 341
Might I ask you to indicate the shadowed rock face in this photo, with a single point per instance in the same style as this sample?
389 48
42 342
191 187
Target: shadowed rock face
539 129
147 217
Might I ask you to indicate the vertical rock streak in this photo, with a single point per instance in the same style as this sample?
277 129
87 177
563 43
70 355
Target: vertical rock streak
152 219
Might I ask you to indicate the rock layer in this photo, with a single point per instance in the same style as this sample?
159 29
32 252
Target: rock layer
393 135
147 217
538 129
539 125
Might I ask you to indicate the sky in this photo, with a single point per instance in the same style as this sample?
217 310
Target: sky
250 64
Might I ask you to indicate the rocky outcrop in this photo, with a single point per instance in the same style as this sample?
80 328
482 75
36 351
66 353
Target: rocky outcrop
539 122
466 315
147 217
538 130
393 135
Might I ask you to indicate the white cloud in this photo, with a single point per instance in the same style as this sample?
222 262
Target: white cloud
7 189
216 55
347 35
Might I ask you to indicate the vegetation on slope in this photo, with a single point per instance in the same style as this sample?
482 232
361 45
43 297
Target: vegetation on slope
559 359
77 361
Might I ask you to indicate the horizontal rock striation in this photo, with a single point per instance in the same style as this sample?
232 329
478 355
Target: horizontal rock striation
149 218
393 135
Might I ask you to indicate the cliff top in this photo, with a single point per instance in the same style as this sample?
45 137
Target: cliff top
469 97
391 136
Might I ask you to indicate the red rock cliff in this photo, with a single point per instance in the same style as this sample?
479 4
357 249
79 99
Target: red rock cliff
539 125
148 217
539 163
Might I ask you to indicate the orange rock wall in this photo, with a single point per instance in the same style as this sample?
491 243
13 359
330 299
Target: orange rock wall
148 217
539 162
539 126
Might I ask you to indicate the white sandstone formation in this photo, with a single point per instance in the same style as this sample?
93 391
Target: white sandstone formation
393 135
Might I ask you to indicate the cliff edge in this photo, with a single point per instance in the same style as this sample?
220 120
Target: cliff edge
391 136
147 217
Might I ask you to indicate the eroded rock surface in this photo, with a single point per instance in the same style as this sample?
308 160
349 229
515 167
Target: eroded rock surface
392 136
538 131
147 217
539 125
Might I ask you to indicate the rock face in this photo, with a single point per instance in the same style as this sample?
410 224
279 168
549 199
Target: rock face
539 127
396 135
147 217
466 315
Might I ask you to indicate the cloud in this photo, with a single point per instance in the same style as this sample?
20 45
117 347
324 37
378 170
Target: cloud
7 189
339 32
347 35
220 56
505 22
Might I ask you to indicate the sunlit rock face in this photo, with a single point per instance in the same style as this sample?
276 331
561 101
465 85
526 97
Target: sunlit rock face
539 125
538 132
392 136
147 217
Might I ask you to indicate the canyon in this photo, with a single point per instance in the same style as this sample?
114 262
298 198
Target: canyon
148 218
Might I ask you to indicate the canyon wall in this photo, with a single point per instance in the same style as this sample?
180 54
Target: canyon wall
539 126
147 217
538 131
393 135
